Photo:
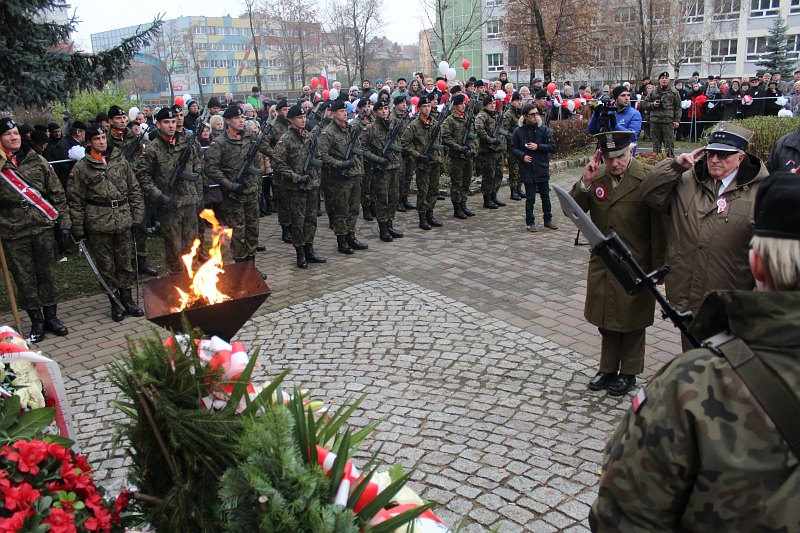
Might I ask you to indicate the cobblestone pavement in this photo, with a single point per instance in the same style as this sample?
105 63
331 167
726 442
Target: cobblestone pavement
470 337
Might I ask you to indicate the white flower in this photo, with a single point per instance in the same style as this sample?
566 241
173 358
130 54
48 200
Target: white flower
77 153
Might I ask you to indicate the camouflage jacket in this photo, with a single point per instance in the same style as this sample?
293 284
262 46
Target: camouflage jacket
127 143
288 159
700 453
17 222
94 182
333 142
416 137
453 134
225 158
510 123
670 108
485 123
378 135
279 127
156 167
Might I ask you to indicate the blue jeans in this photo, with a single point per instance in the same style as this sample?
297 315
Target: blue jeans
543 188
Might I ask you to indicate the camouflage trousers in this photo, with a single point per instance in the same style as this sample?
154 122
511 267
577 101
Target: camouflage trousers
32 263
342 197
409 166
386 186
513 172
243 218
303 209
282 204
622 352
663 134
112 253
367 185
491 164
428 185
460 178
179 228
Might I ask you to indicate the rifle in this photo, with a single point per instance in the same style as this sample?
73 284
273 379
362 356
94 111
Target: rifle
132 148
391 148
468 135
437 127
498 128
355 131
247 165
183 158
311 160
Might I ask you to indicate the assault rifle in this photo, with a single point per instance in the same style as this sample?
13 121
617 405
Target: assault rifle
311 160
355 131
391 148
180 166
437 127
132 148
498 128
468 135
247 165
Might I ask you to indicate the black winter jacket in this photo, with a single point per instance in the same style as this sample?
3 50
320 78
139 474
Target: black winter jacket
537 170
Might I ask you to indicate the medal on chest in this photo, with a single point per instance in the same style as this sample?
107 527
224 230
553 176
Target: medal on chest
601 192
721 204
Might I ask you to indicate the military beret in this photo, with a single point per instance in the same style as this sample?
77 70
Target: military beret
336 105
176 109
516 96
232 111
487 100
281 104
361 103
324 106
25 128
614 143
101 117
664 74
455 89
295 111
53 126
78 125
776 213
459 99
618 91
39 137
380 104
116 111
728 137
40 127
399 100
6 124
165 113
214 102
93 131
426 98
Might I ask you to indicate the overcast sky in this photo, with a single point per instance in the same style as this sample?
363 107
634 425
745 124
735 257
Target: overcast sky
401 19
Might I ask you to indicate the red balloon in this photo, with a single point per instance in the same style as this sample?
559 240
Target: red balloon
466 98
578 103
551 87
442 85
465 63
326 94
314 82
564 104
179 101
414 100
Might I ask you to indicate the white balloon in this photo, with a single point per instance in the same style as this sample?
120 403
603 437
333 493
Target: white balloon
781 101
334 94
451 74
785 113
443 66
500 94
571 105
187 97
132 112
373 97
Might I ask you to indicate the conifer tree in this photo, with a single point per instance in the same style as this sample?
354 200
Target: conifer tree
777 58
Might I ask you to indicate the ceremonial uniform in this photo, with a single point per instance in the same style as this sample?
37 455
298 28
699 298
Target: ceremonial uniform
28 237
454 133
429 166
179 221
386 179
105 202
490 153
279 128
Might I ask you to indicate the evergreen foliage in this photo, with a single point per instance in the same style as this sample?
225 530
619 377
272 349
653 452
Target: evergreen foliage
85 105
777 58
39 66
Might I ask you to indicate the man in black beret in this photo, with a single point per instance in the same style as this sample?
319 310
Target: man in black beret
511 121
28 222
387 171
408 167
279 127
490 153
459 137
664 105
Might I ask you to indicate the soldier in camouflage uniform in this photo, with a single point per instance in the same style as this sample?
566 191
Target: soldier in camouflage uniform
510 123
341 178
409 165
130 146
664 105
180 204
365 117
387 170
279 127
490 152
700 449
240 202
299 187
429 166
461 155
28 237
105 202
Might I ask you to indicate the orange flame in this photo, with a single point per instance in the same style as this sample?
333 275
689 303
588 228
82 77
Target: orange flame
205 278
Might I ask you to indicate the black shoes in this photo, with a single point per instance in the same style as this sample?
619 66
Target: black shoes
144 268
550 225
406 203
301 257
602 380
468 212
367 213
37 326
117 312
312 256
497 202
423 221
52 323
261 248
400 207
622 385
343 245
431 219
488 203
515 195
458 211
127 302
395 233
354 243
286 233
384 232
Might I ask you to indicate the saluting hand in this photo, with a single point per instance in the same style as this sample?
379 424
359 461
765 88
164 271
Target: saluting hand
592 170
687 161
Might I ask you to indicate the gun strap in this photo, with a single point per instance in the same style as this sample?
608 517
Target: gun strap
775 397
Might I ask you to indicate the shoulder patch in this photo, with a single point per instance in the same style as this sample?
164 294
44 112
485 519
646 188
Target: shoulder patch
639 399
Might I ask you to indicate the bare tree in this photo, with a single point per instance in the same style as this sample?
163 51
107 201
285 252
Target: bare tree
452 31
169 49
296 35
193 54
254 36
358 23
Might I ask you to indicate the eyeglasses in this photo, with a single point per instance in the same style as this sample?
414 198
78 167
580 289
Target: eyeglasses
532 114
720 155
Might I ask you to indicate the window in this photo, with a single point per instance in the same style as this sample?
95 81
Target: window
793 43
199 30
494 3
726 10
794 7
764 8
494 29
494 62
624 15
756 48
691 51
723 51
695 9
623 55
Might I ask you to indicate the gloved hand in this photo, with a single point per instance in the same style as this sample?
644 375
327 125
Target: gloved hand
304 179
382 162
168 202
77 235
424 159
63 237
464 149
494 142
235 187
348 163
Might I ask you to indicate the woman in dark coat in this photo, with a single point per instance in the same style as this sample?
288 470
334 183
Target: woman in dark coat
732 102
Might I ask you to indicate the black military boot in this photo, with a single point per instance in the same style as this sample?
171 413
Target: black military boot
354 243
37 326
423 221
407 204
458 212
400 207
127 302
367 213
384 231
520 192
488 203
431 219
343 246
286 233
52 323
312 256
395 233
301 257
117 312
497 202
515 194
252 260
144 268
466 210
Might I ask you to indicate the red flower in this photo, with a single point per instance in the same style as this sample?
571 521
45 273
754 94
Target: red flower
15 522
60 521
122 501
3 481
83 463
19 496
28 455
59 452
101 521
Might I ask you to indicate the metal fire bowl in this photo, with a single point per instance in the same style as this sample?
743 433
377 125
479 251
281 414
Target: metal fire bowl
240 281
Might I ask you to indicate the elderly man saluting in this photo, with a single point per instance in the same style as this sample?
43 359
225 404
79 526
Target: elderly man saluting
709 196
